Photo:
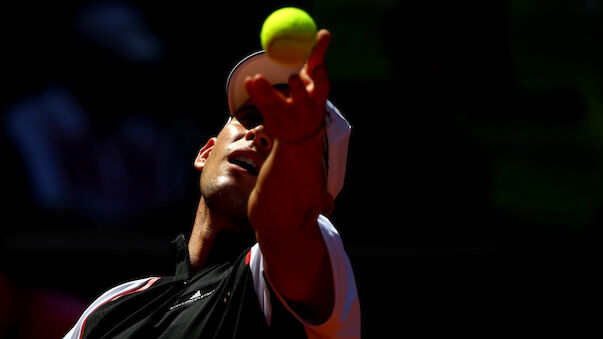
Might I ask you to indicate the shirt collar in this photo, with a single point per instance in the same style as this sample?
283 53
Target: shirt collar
183 264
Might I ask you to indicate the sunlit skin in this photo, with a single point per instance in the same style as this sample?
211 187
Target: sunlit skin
281 193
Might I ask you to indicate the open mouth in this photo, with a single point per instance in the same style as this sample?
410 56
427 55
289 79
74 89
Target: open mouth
246 163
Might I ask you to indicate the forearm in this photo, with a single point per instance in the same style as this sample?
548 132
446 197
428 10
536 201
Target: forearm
283 209
290 186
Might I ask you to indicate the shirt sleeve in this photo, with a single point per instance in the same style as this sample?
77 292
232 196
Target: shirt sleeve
344 321
112 294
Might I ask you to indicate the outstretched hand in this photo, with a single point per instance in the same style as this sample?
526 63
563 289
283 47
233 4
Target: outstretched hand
298 174
300 115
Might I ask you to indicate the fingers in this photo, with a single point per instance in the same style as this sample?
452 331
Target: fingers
267 99
321 88
298 91
314 74
263 95
320 50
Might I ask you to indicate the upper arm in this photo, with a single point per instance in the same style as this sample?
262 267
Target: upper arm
343 320
300 269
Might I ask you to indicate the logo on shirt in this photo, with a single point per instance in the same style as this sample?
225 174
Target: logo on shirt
195 297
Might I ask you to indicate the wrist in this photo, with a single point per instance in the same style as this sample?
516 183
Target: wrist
319 137
307 158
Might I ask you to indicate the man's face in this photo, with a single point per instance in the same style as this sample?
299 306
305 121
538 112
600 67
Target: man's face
230 163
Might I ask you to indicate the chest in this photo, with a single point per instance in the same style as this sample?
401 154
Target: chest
218 303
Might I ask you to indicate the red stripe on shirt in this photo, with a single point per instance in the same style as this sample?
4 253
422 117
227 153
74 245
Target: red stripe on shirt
248 258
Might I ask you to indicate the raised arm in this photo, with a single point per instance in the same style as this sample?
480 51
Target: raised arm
291 188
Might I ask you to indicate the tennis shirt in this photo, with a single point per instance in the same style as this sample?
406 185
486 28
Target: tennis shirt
228 299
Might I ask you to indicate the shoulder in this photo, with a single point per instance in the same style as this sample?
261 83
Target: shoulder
112 294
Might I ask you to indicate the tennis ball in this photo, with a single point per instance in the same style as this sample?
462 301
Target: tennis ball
288 36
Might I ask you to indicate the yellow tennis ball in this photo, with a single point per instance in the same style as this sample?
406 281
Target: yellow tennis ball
288 36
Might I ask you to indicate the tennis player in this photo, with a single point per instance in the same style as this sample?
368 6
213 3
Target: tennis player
262 260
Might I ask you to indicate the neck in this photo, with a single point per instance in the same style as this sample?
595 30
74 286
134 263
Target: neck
216 238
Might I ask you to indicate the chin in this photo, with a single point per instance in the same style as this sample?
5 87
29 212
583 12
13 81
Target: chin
226 196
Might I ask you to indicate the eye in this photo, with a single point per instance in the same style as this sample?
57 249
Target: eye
249 116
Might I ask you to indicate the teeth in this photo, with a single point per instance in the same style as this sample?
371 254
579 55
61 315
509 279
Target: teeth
246 160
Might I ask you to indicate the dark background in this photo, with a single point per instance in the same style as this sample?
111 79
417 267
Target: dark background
473 193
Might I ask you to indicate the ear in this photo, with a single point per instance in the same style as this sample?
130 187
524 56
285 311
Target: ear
328 204
204 154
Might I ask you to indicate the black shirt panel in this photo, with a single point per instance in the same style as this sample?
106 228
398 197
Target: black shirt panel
219 301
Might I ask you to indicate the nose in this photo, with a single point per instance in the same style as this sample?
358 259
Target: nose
259 137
